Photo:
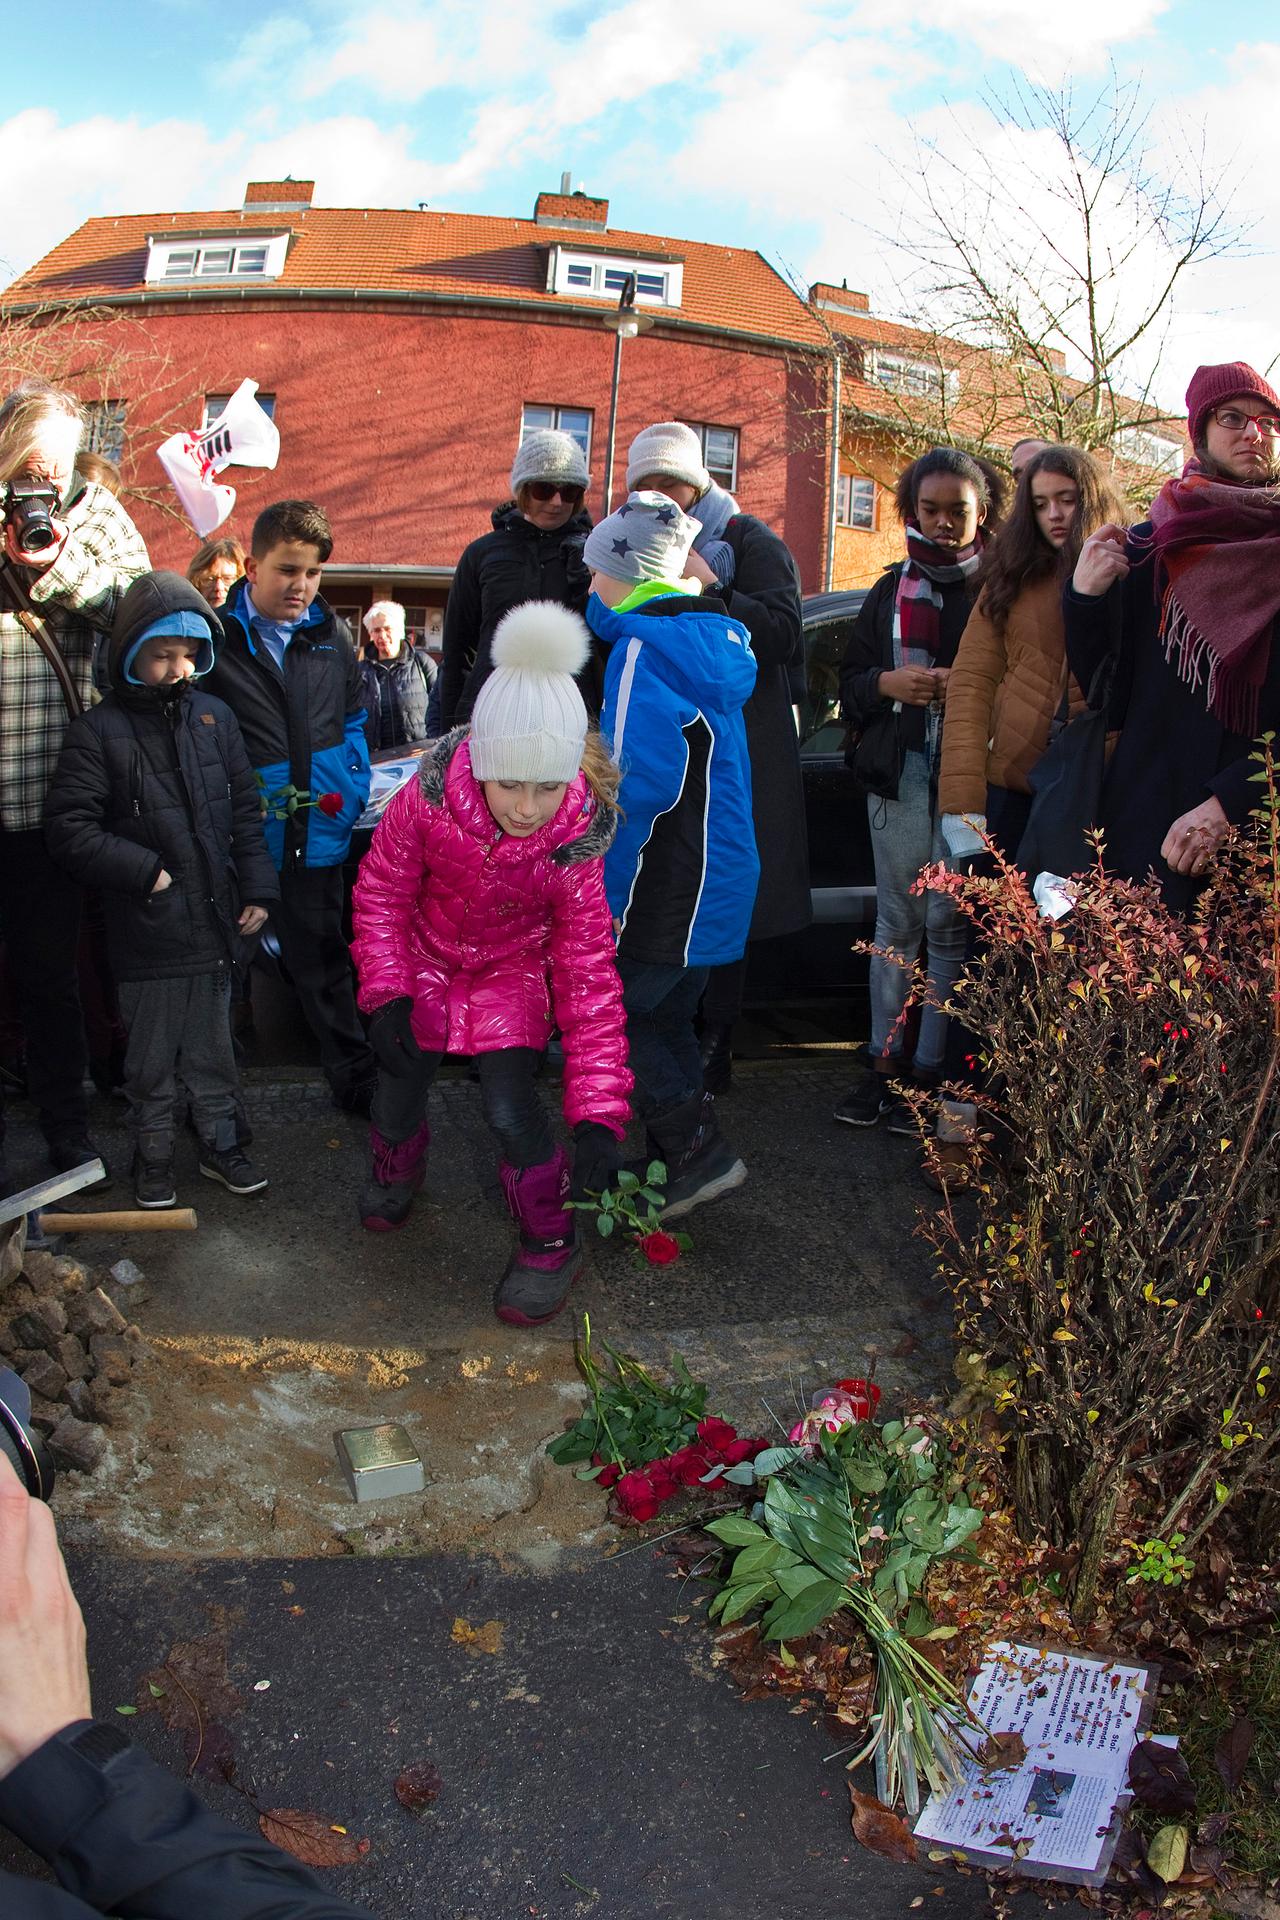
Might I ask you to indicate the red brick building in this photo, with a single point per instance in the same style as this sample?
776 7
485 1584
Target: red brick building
405 352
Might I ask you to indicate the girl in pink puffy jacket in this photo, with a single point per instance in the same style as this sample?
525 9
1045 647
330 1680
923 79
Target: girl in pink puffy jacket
480 924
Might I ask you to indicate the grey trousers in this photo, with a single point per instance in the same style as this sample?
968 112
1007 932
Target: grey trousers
180 1030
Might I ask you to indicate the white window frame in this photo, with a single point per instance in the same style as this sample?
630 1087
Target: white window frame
105 428
596 266
915 379
702 429
1146 449
846 486
172 262
528 426
267 401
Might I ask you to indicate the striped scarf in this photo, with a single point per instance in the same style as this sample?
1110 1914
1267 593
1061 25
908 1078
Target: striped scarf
917 605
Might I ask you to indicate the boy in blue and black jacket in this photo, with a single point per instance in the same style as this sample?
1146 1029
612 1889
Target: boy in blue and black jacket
289 673
682 872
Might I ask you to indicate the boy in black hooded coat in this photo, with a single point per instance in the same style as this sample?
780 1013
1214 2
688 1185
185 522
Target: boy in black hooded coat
154 800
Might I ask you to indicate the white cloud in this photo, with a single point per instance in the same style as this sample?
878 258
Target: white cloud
1048 40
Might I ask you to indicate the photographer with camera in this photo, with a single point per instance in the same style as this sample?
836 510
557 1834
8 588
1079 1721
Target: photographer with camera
68 550
123 1836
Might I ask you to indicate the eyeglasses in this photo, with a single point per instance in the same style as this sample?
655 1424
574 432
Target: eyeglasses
545 490
1235 422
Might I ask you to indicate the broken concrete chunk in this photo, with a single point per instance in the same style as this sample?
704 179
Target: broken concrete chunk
71 1357
126 1274
42 1324
80 1399
94 1312
111 1357
75 1443
46 1414
44 1376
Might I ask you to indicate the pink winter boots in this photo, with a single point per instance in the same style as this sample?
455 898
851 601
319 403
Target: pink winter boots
548 1259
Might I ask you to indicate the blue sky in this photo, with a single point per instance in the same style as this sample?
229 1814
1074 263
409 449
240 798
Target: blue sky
752 123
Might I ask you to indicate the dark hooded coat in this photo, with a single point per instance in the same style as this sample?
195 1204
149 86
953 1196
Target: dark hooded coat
146 784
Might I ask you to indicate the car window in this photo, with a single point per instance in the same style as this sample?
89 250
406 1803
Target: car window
821 729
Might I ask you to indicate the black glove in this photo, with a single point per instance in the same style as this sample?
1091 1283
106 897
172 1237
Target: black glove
596 1152
391 1035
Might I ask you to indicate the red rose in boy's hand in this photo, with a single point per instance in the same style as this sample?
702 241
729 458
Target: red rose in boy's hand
716 1432
635 1495
330 803
659 1248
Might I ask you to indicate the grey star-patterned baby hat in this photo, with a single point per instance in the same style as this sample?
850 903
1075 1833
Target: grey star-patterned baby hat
648 538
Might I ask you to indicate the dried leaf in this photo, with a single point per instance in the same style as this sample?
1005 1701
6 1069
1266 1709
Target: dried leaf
1167 1853
311 1838
907 1345
418 1787
1002 1750
210 1750
192 1686
484 1639
1160 1780
1231 1755
880 1830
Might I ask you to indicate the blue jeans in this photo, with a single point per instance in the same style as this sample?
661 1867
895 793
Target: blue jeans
661 1004
905 836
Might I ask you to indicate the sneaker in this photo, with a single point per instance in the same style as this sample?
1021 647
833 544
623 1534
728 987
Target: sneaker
231 1166
864 1104
70 1150
153 1181
900 1117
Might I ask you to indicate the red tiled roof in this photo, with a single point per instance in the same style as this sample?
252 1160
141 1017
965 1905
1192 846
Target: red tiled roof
460 254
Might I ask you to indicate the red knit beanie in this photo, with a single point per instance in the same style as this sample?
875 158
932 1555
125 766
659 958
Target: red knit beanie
1211 386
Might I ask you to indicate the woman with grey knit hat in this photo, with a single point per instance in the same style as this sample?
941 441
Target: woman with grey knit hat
533 553
743 561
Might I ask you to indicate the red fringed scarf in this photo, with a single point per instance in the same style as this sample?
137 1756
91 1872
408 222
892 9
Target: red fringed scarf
1217 549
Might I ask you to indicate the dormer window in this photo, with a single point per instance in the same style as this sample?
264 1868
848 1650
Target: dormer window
897 373
217 257
604 276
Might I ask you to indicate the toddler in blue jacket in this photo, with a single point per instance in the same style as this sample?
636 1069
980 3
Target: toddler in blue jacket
681 875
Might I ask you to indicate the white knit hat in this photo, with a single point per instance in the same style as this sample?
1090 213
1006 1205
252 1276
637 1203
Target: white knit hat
671 449
528 722
550 455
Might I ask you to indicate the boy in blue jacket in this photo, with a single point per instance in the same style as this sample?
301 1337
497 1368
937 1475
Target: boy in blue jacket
681 875
289 673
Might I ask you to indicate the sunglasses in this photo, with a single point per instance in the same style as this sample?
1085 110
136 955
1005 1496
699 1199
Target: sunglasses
545 490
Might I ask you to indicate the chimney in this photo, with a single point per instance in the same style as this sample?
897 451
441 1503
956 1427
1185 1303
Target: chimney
566 183
841 299
571 210
278 196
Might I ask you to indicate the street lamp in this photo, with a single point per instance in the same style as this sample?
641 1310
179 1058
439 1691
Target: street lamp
626 323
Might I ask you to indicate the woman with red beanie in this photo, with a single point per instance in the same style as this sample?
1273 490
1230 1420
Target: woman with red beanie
1186 605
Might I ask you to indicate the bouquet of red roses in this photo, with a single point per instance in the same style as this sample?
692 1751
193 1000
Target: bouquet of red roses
645 1440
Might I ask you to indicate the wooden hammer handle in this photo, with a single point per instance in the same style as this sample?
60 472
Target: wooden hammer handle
163 1220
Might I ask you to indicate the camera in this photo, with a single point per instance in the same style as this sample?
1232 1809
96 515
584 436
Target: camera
29 507
21 1445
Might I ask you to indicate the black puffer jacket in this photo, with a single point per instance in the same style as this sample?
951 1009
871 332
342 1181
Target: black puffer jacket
765 596
501 570
145 784
396 693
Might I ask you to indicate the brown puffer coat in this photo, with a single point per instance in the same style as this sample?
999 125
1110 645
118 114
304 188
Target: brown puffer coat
1004 691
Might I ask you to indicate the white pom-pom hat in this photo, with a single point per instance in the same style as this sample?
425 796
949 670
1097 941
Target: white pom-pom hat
529 722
